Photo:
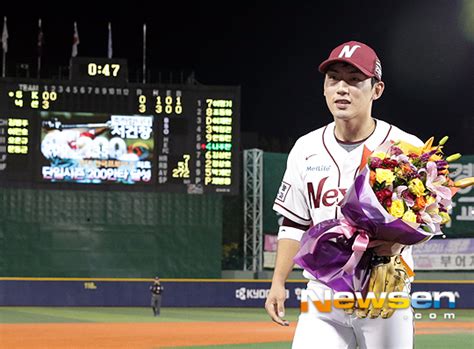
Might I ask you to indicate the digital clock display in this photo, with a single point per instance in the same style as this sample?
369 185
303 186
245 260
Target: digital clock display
107 69
179 138
97 69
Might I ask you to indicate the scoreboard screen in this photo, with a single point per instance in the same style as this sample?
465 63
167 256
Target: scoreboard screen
76 134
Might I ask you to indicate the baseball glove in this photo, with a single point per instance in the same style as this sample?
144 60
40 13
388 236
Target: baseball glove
388 274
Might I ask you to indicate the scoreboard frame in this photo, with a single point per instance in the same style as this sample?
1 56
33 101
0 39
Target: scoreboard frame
194 146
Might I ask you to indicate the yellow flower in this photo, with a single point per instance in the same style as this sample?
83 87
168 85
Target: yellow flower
409 216
428 145
433 211
380 154
384 175
416 187
429 200
435 157
408 148
397 209
444 217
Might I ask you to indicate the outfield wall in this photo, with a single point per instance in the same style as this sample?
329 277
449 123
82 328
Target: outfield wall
91 233
177 293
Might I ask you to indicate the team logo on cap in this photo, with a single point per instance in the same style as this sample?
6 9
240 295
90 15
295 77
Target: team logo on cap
347 51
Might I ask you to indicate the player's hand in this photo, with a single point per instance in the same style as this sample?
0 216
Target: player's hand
275 304
386 248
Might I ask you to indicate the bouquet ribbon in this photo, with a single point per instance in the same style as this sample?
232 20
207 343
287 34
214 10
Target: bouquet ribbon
359 245
333 252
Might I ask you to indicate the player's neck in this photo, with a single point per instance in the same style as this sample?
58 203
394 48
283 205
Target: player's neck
354 130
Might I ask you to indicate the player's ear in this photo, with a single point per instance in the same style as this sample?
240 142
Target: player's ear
324 84
378 89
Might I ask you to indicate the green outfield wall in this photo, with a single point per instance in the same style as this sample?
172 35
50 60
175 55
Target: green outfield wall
78 233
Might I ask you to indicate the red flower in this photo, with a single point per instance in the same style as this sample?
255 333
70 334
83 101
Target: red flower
383 196
418 218
389 163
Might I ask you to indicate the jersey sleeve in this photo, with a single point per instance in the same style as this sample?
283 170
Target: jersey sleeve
290 200
291 230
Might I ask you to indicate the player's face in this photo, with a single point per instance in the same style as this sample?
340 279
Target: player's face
349 93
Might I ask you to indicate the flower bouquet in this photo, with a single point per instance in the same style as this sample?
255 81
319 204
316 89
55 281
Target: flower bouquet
402 194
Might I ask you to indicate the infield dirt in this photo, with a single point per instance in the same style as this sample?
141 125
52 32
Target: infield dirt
166 334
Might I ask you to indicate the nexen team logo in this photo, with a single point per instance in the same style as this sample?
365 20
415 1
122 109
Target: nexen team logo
347 51
244 293
326 198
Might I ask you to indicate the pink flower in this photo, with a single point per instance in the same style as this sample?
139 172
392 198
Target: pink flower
402 192
375 162
435 184
395 150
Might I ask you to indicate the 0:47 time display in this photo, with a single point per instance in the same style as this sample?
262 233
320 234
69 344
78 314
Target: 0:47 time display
94 69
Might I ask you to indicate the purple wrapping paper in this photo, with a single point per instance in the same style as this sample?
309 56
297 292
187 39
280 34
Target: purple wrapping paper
325 250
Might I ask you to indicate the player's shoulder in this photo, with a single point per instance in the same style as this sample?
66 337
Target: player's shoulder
309 139
397 134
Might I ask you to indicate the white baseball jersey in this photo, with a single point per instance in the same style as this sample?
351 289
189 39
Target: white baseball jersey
319 171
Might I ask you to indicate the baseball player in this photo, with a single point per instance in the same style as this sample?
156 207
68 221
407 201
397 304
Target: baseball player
156 291
321 166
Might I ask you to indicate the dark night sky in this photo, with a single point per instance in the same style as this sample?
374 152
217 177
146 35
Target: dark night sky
272 52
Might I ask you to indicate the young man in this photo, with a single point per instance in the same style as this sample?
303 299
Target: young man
321 166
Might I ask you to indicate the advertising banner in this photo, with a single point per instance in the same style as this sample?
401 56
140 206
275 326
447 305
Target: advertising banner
444 254
184 293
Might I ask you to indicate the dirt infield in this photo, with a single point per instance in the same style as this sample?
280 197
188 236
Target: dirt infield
139 335
166 334
443 327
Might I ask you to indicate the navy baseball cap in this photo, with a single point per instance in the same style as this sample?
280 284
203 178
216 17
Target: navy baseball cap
359 55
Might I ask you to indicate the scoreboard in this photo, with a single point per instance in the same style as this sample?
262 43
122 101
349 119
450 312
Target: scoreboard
82 133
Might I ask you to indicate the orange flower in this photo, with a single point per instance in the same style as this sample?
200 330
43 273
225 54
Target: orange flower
406 169
372 178
444 171
420 202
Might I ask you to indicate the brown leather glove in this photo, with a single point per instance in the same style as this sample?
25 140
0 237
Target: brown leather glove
388 274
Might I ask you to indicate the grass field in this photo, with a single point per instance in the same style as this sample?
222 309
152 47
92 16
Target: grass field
228 328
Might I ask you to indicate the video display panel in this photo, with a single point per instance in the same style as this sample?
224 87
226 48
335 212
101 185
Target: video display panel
96 148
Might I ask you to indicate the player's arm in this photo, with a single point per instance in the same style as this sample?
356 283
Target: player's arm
289 238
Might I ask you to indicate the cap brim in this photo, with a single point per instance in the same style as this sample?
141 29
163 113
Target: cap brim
324 66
